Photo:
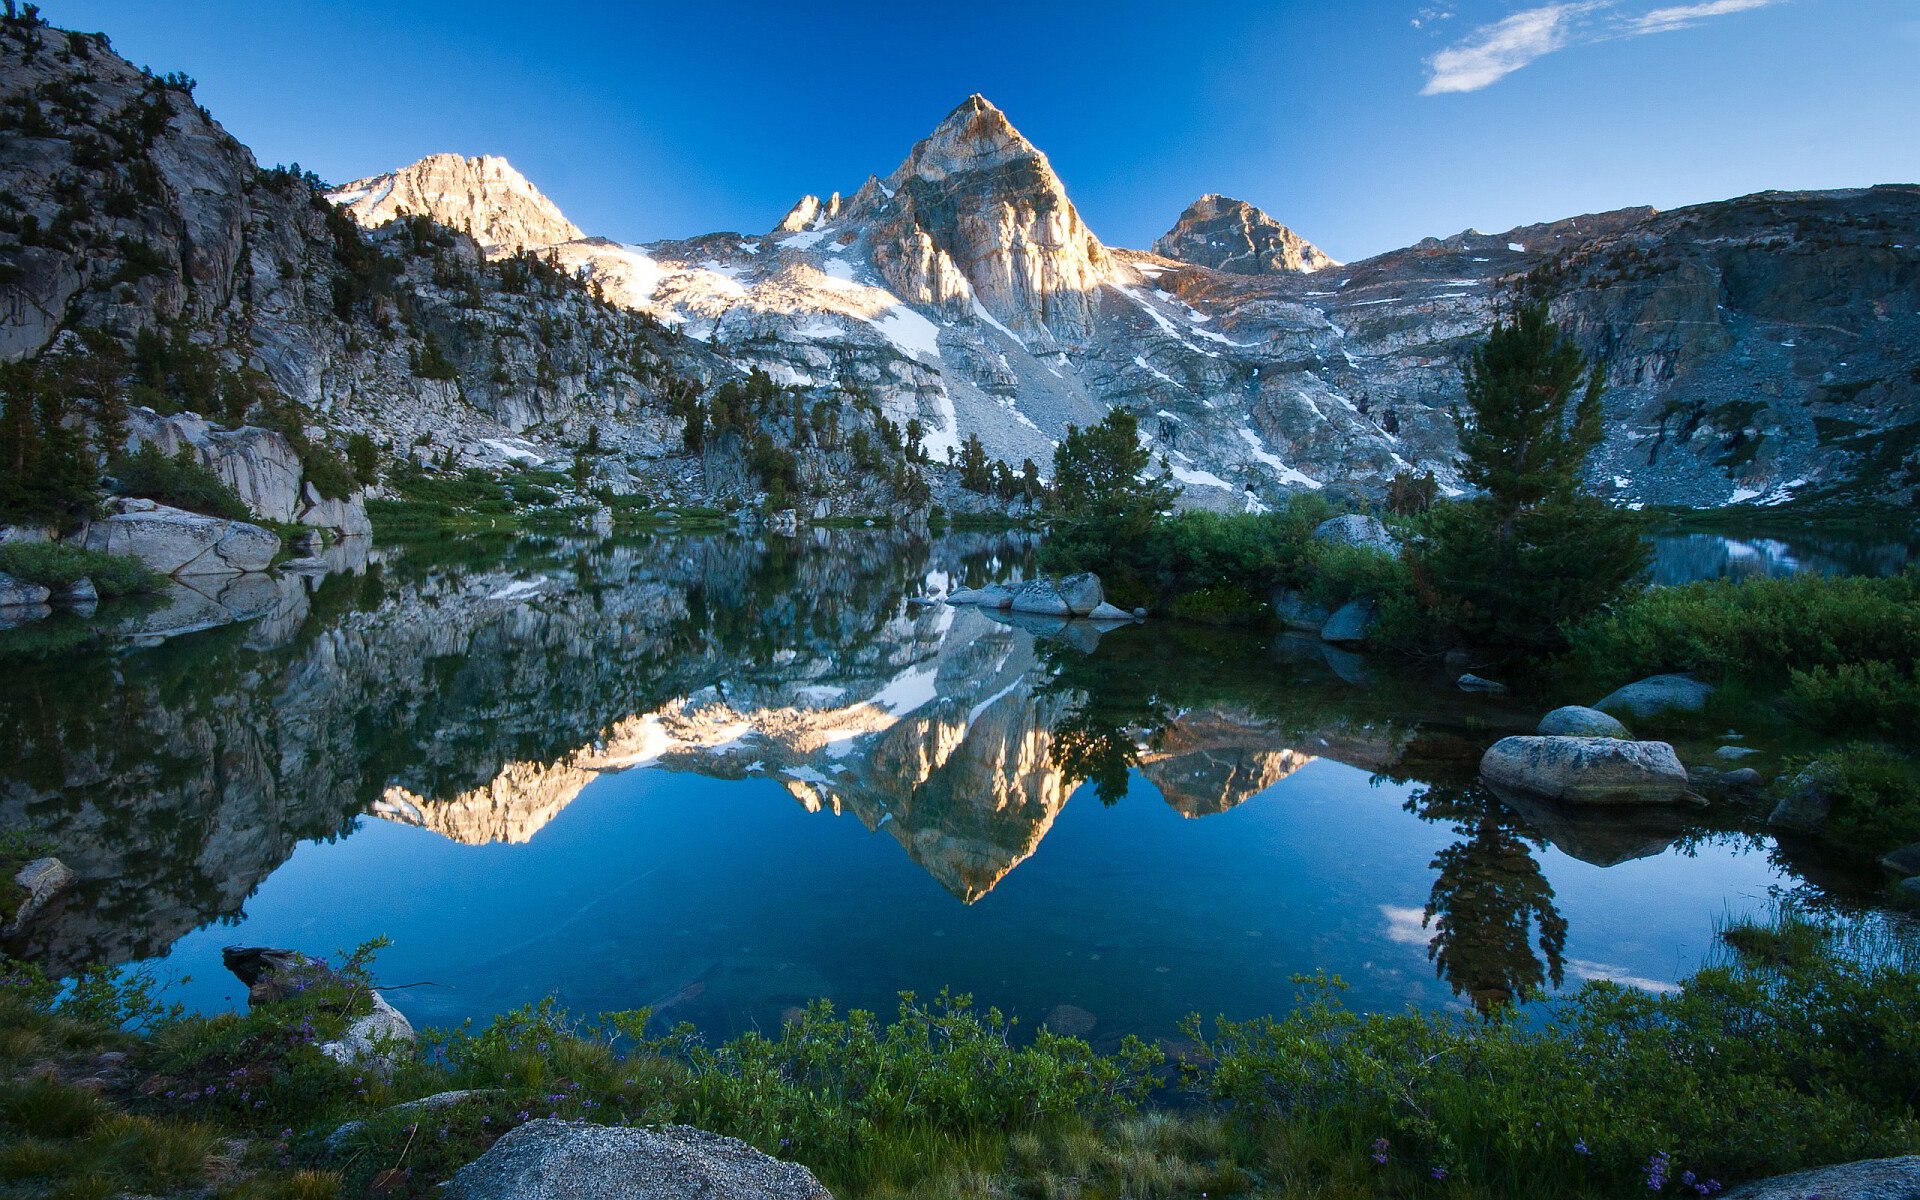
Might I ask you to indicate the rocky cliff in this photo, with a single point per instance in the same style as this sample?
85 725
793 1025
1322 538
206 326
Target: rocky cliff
484 198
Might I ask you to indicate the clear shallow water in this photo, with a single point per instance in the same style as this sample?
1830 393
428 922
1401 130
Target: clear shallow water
721 777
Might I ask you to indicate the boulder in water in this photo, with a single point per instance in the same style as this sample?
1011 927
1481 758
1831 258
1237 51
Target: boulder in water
1587 770
1575 720
1657 694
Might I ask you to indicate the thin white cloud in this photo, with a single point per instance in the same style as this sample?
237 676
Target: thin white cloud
1492 52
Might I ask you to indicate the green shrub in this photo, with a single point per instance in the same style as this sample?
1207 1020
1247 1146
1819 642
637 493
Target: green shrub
1225 605
1861 697
1875 794
1759 630
1764 1064
56 565
181 481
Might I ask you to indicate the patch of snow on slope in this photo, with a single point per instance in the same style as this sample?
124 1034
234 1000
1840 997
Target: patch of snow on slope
1141 362
1198 478
1287 473
807 240
980 311
910 331
908 691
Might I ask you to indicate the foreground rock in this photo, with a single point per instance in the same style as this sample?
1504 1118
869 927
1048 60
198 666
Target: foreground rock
1576 721
1107 612
1808 802
1587 770
176 542
1658 694
1357 529
371 1039
555 1160
1874 1179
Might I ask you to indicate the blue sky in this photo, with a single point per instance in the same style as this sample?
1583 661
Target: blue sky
1364 124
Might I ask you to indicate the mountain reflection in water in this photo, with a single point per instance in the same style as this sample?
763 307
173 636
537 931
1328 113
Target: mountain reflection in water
479 697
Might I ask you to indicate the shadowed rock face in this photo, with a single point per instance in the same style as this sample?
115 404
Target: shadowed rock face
1235 237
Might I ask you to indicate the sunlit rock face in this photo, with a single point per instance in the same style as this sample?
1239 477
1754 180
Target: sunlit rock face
977 213
1235 237
484 198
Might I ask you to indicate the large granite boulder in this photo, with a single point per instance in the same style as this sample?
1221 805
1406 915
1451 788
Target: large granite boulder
1657 694
1574 720
1082 593
1872 1179
1904 861
557 1160
176 542
1357 529
1587 770
1352 622
17 593
1041 597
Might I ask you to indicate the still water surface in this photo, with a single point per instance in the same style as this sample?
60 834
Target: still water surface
719 776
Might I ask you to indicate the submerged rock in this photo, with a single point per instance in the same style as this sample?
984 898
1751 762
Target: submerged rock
1657 694
1605 837
556 1160
1872 1179
1574 720
1473 683
1587 770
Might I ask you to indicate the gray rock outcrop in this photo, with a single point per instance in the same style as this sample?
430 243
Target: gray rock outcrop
1808 801
1574 720
1235 237
556 1160
15 593
1041 598
1082 592
1657 694
1872 1179
1357 529
176 542
1587 770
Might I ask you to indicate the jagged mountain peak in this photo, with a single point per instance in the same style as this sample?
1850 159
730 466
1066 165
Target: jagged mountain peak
975 136
483 197
1236 237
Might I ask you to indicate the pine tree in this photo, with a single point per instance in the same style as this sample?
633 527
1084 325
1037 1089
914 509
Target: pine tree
1512 566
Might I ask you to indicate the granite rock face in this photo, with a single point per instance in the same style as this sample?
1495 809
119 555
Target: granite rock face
1873 1179
1235 237
176 542
484 198
558 1160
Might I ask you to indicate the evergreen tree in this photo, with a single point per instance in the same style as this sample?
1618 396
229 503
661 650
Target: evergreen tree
1513 565
46 471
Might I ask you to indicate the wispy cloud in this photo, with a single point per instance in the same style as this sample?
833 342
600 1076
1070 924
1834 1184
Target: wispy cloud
1660 20
1492 52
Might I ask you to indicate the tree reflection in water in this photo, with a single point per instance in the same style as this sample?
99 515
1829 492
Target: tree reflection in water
1488 900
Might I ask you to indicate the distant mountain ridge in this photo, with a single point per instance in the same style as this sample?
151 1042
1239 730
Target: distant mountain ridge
1756 349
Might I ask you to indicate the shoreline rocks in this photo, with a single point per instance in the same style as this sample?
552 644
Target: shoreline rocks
1351 623
1587 770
